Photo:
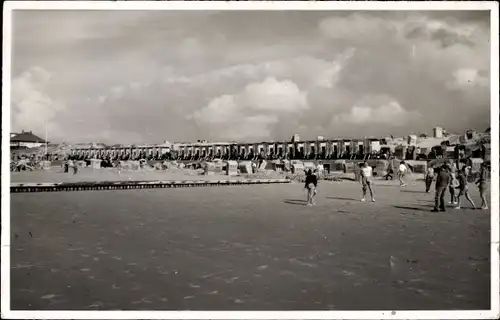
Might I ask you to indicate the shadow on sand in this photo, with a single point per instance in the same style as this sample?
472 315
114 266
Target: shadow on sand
296 202
413 191
340 198
411 208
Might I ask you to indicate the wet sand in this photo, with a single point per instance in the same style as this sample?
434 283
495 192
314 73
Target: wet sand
247 248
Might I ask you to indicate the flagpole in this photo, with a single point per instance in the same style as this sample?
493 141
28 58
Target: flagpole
46 137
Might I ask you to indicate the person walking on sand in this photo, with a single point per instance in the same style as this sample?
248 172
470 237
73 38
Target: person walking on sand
442 182
429 177
75 167
320 168
390 171
463 188
483 185
453 183
402 173
366 181
311 185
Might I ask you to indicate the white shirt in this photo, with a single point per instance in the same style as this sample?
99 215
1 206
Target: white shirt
320 168
367 171
402 168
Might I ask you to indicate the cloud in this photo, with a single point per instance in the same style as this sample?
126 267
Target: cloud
467 78
389 114
181 76
410 26
274 96
313 71
248 113
357 26
33 109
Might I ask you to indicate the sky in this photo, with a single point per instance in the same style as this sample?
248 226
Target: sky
154 76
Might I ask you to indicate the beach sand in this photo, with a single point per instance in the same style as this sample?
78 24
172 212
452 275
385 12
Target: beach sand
247 248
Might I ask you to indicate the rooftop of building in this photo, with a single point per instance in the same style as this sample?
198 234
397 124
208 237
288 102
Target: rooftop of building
27 136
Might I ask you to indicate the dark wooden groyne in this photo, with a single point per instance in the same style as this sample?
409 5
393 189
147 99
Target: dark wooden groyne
125 185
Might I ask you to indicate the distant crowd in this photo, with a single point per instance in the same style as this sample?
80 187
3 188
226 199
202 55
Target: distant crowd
448 177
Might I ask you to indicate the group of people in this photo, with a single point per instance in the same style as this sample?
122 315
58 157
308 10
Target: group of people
70 164
401 173
456 181
311 183
448 177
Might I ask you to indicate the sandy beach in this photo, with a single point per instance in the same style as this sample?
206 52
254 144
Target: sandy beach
247 248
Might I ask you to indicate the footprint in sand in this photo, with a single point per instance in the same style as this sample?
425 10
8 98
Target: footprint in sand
213 292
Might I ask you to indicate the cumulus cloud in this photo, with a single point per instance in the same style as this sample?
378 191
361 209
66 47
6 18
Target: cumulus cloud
32 108
389 113
311 70
274 96
225 76
357 25
467 78
248 113
411 26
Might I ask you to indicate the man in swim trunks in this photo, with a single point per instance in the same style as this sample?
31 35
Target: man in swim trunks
366 180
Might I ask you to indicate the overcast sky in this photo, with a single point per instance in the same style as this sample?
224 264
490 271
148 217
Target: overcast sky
146 77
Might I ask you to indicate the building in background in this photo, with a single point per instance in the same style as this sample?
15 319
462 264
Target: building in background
25 140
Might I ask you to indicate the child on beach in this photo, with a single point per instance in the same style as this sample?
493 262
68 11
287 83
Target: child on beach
429 177
453 183
463 188
401 173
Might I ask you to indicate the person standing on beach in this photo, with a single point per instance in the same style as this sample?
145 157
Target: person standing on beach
71 164
429 177
483 185
320 168
366 180
75 167
402 173
463 188
311 185
442 182
65 166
